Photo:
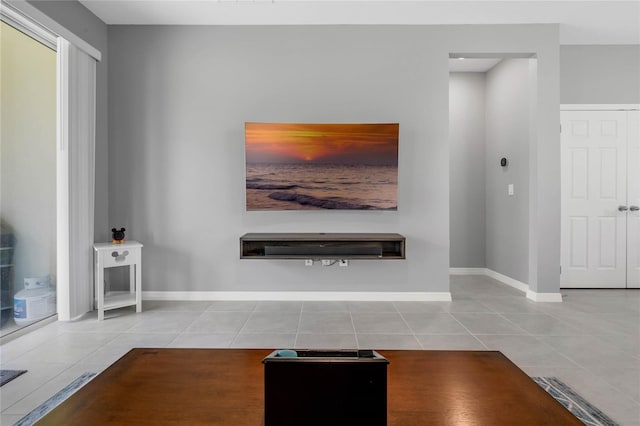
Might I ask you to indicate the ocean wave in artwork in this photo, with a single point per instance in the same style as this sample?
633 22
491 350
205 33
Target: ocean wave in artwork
321 187
307 200
269 186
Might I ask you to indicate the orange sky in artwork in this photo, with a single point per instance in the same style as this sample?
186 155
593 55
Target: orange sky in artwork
341 143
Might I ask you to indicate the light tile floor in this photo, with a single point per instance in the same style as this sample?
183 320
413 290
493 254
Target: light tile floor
591 341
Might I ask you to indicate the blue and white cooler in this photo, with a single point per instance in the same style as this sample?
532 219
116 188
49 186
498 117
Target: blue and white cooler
37 301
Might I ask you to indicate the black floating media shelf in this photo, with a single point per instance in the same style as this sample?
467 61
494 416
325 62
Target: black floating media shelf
322 246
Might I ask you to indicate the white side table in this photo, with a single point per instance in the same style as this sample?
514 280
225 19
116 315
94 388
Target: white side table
109 255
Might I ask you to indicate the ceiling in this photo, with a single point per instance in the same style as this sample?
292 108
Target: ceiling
581 22
472 64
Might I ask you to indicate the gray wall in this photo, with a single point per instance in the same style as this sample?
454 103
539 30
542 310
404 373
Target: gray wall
179 97
507 217
600 74
467 169
80 21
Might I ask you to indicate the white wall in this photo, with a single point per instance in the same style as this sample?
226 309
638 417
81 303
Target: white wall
600 74
467 169
179 97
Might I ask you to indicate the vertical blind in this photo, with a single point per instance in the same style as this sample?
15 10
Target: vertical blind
76 179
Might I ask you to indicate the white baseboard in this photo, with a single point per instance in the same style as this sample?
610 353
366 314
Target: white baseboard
544 297
519 285
300 295
468 271
350 296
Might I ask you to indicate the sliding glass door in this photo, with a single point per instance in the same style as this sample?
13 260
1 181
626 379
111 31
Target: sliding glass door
27 180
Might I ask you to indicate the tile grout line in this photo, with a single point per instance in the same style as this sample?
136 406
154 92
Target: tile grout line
295 337
413 333
355 332
468 331
184 330
526 332
233 341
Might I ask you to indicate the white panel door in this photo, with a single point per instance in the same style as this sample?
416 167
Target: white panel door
633 216
594 186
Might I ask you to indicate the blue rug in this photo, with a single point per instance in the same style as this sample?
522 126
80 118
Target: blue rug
8 375
55 400
579 407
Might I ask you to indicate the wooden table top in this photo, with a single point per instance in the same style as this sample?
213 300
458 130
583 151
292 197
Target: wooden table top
226 387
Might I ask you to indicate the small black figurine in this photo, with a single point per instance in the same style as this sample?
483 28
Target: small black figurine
118 236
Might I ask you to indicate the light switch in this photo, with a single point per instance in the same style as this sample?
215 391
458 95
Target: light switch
510 189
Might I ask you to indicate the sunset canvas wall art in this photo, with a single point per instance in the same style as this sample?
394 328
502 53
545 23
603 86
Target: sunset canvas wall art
296 166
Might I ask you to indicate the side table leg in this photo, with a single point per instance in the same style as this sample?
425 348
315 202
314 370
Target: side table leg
132 277
138 267
100 290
